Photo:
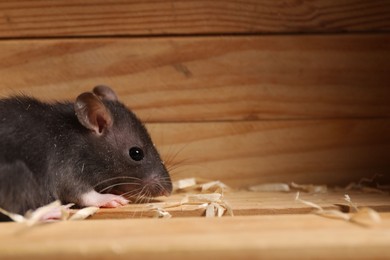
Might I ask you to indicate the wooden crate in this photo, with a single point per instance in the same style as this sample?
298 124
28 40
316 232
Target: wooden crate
246 92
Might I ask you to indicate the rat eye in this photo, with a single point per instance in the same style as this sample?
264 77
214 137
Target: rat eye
136 153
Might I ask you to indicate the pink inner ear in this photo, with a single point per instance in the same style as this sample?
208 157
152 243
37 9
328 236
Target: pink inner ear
99 117
101 123
92 113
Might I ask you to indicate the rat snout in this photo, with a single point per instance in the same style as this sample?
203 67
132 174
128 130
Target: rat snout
155 185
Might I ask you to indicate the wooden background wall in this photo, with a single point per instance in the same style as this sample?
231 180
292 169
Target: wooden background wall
247 91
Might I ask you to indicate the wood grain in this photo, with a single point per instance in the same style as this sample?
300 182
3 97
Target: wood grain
211 78
246 203
159 17
248 153
256 237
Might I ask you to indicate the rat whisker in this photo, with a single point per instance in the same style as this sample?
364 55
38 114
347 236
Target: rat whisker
171 158
132 193
140 194
172 168
165 181
145 199
158 185
184 161
115 178
117 184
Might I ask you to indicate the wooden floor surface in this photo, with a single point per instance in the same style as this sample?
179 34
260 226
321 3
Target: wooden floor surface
258 230
250 237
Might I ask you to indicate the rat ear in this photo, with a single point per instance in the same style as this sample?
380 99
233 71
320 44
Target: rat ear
105 92
92 113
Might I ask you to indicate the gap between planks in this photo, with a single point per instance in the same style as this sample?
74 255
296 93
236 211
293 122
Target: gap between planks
71 18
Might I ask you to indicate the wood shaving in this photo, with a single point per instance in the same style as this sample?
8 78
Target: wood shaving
373 190
159 212
310 188
363 216
201 198
366 216
214 186
213 203
210 210
284 187
350 203
368 185
52 212
184 183
365 189
383 187
84 213
214 210
192 184
13 216
210 198
270 187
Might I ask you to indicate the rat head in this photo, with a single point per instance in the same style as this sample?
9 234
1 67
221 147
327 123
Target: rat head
120 156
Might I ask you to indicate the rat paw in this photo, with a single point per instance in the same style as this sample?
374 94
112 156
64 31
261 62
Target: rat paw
114 202
96 199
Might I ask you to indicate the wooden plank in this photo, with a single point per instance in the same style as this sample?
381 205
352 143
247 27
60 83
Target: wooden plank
158 17
247 153
211 78
246 203
256 237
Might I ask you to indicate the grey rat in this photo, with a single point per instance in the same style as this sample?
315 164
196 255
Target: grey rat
93 152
